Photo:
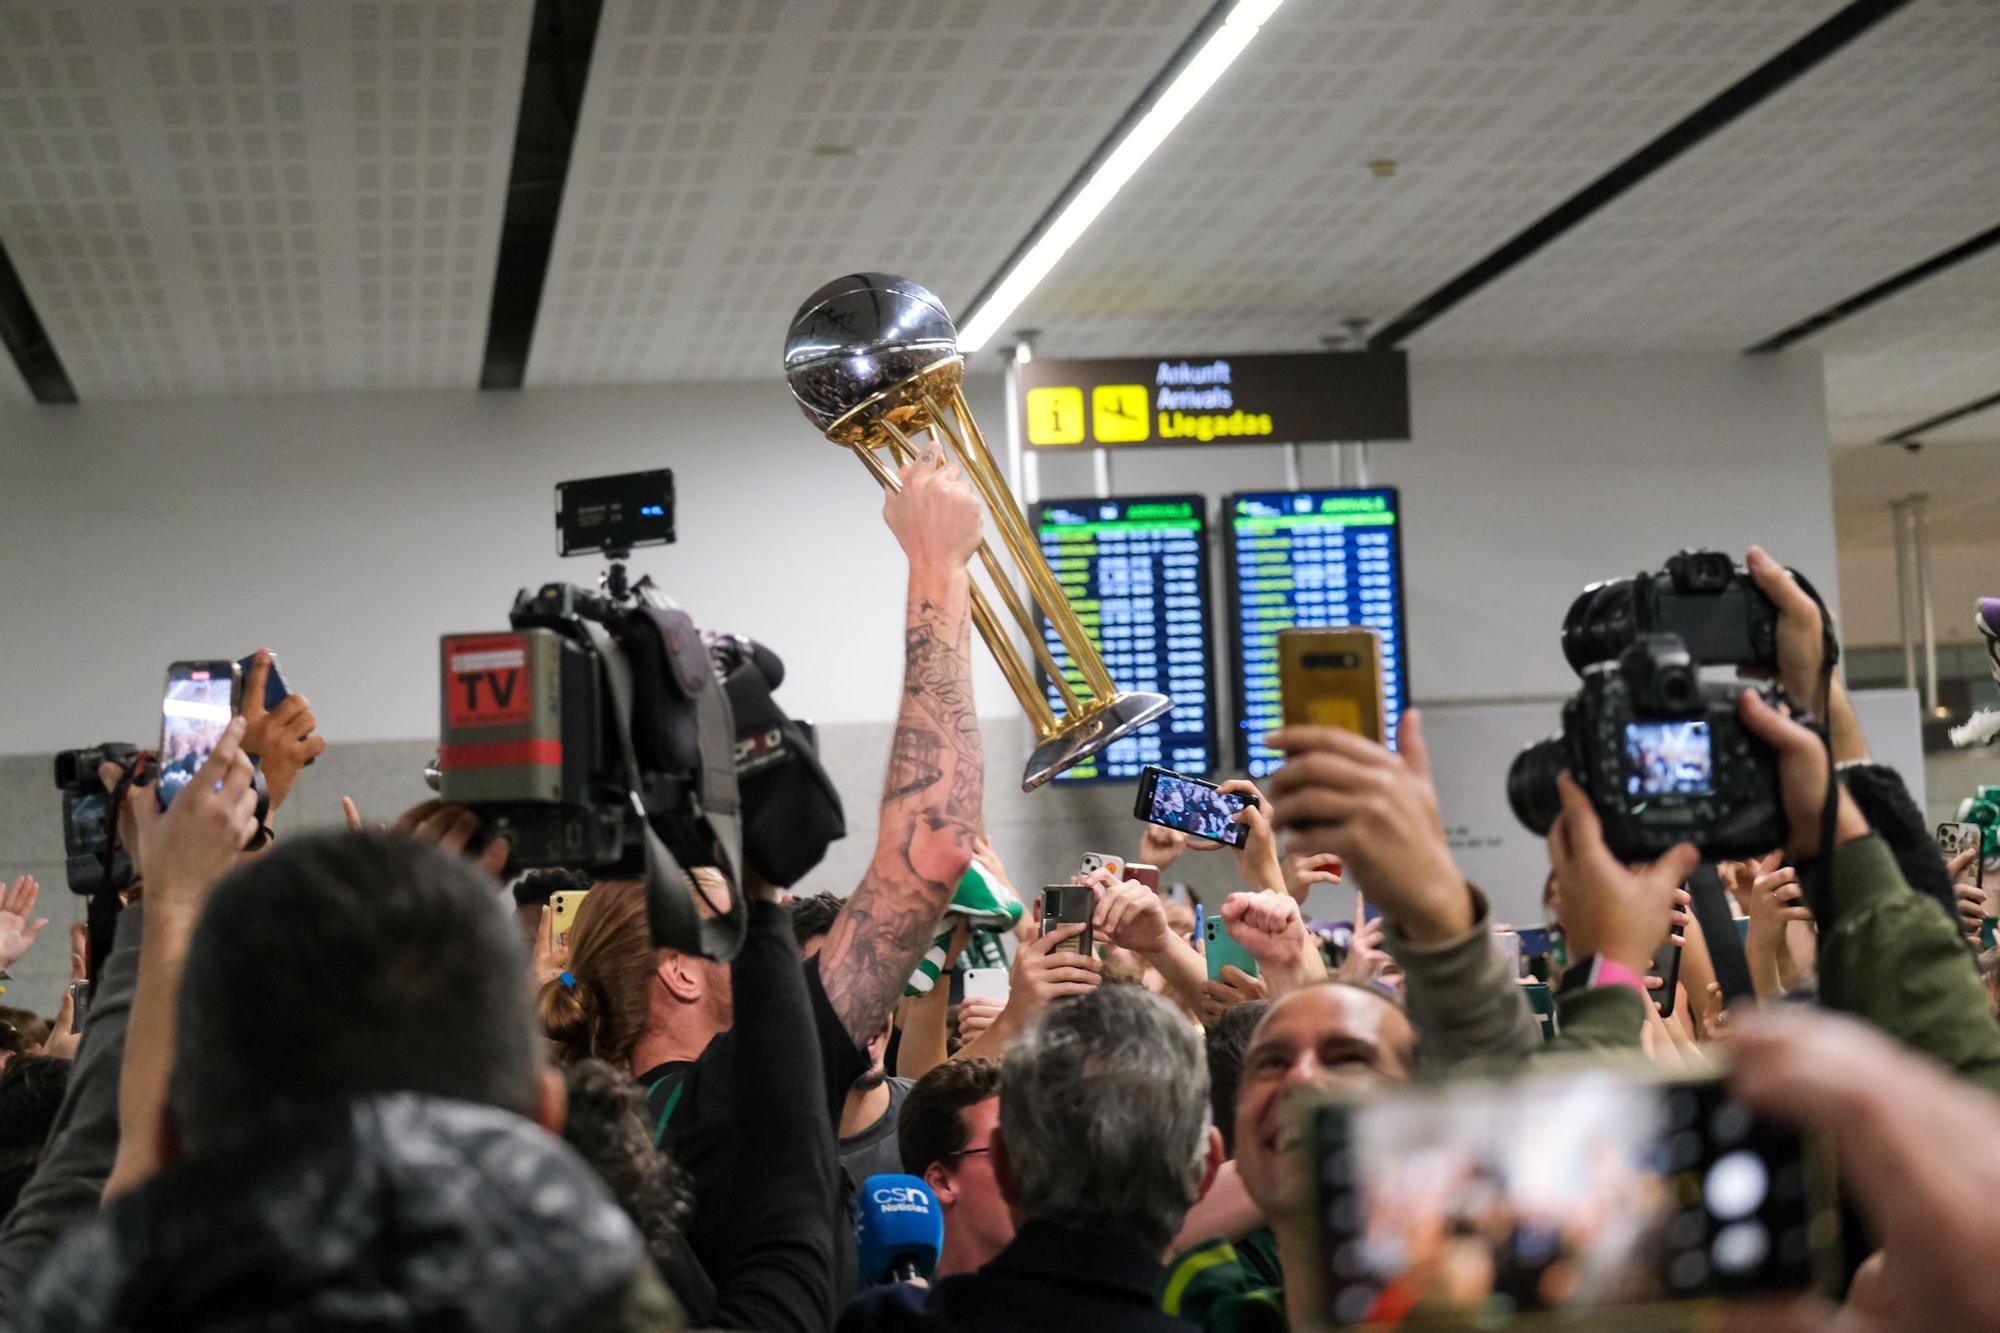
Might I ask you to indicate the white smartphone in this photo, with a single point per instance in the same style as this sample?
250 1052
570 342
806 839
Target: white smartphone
1096 861
986 983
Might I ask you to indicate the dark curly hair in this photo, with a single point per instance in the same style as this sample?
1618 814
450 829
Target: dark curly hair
607 1127
812 916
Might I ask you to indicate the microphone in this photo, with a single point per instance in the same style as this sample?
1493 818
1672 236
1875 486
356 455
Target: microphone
901 1229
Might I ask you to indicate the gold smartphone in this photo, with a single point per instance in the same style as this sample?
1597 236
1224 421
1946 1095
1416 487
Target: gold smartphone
1333 678
563 907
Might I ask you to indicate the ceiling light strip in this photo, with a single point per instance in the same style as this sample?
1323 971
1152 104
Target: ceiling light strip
28 340
1721 110
1881 291
1210 49
1907 435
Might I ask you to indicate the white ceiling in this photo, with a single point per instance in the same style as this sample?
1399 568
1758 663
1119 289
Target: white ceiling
214 196
227 197
698 217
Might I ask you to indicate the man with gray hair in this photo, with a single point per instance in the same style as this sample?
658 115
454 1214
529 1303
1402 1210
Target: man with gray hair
1104 1143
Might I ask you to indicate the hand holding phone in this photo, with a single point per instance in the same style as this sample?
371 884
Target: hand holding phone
1065 905
195 708
1190 805
280 740
1333 678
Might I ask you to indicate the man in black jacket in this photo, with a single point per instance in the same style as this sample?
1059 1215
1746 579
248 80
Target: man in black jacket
1104 1143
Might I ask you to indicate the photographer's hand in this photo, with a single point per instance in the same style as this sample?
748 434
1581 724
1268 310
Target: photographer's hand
281 739
1802 655
17 929
1257 859
1802 774
1377 810
452 827
1610 910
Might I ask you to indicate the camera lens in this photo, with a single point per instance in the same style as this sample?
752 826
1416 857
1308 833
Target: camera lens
1599 624
1531 784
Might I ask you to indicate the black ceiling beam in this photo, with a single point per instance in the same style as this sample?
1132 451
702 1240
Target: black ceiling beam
560 43
1725 107
28 341
1881 291
1908 434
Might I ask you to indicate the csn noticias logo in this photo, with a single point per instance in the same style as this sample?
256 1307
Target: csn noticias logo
903 1199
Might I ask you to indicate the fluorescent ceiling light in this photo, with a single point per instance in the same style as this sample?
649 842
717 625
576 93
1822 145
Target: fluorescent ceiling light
1195 78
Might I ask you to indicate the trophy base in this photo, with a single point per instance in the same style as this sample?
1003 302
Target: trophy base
1081 737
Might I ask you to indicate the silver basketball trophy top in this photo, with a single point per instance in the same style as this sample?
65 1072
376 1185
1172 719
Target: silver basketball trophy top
868 344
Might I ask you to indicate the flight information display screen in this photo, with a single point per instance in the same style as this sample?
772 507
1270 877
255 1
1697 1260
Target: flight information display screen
1314 559
1135 570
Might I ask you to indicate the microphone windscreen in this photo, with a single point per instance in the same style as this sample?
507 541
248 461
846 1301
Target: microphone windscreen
900 1220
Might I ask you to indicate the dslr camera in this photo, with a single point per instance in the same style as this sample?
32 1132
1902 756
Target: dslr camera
1701 596
1663 757
602 731
87 822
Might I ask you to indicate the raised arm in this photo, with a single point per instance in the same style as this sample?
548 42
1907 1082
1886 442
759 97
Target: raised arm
936 778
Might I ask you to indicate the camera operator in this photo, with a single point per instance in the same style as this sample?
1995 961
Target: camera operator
686 1048
1104 1142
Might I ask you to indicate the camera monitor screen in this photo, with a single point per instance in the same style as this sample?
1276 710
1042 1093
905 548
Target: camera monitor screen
1667 759
615 514
1311 559
1195 809
1562 1191
1135 571
195 712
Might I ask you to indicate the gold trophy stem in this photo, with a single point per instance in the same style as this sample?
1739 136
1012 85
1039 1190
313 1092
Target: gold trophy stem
1011 666
1021 543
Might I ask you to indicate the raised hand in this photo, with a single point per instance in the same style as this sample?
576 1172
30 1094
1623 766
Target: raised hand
18 924
935 515
1303 870
1377 810
1268 925
452 827
976 1014
1365 957
1043 972
1233 987
1129 915
1162 846
1801 777
280 739
197 840
1611 910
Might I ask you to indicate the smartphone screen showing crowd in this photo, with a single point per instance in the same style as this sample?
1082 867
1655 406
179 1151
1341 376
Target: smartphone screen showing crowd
199 700
1135 571
1196 808
1333 678
1311 558
1564 1191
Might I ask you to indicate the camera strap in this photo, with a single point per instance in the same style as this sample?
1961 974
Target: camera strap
670 911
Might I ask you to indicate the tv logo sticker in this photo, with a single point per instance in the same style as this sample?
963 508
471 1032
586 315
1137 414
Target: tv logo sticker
903 1199
487 684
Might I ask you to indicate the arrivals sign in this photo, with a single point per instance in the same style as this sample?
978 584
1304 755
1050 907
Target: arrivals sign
1295 398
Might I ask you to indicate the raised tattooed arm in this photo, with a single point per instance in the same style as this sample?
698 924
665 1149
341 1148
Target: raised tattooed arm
936 779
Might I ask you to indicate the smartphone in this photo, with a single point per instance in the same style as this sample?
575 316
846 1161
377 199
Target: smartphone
1176 801
1535 942
1096 861
988 983
1333 678
1144 874
563 907
200 699
1667 967
275 689
79 1001
1955 839
1222 950
1063 904
1562 1191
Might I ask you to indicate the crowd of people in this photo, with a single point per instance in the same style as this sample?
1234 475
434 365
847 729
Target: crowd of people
351 1080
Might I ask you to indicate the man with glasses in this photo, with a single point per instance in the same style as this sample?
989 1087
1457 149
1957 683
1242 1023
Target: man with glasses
944 1133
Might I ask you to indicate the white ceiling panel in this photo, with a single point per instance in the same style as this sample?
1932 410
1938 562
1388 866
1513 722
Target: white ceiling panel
233 197
1261 224
734 155
1924 351
1883 155
1964 504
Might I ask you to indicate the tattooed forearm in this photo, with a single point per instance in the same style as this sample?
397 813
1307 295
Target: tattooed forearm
931 801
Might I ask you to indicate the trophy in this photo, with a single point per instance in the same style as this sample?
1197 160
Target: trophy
873 361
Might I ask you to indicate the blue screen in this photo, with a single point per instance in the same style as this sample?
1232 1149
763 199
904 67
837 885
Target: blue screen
1135 570
1315 559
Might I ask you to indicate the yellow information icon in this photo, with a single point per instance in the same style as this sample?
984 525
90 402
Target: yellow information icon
1120 414
1055 415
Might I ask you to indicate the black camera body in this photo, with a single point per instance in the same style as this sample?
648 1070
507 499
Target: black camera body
1701 596
87 816
1663 756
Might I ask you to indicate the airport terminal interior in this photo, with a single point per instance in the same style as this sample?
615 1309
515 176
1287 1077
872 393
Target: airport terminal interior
1304 542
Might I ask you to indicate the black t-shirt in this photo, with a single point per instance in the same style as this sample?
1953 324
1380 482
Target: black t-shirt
692 1114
